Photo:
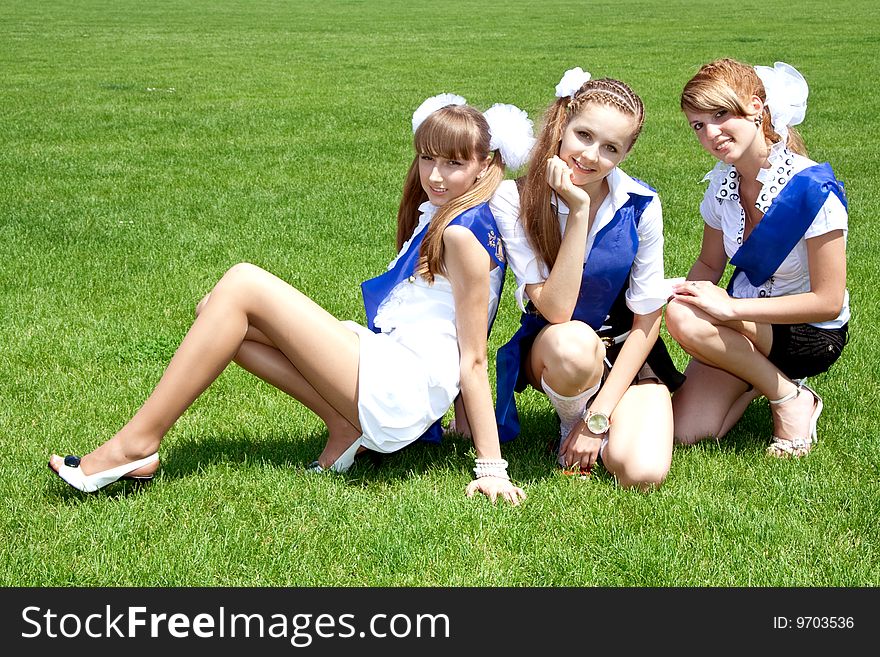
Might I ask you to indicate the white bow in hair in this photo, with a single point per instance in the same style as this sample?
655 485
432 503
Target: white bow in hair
432 104
571 81
786 96
511 133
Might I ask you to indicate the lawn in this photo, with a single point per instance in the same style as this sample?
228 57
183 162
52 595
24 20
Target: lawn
147 147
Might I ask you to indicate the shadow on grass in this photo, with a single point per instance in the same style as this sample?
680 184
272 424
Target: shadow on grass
531 457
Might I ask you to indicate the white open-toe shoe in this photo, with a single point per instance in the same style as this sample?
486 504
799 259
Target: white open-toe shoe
799 445
71 473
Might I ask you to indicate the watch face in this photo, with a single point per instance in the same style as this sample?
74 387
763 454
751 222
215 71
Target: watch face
597 423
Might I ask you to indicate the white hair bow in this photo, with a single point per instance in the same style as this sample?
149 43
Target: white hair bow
432 104
786 96
571 81
510 128
511 133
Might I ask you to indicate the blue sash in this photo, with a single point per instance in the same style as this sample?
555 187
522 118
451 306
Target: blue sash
785 223
480 221
605 273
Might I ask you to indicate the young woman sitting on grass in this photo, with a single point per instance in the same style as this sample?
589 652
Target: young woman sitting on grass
585 242
782 220
380 387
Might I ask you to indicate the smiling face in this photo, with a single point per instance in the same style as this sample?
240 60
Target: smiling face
721 103
444 179
729 137
595 141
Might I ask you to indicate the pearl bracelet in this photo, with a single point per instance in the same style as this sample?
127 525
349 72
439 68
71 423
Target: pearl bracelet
491 468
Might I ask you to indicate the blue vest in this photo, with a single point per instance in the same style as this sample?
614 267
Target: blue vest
480 221
785 223
605 273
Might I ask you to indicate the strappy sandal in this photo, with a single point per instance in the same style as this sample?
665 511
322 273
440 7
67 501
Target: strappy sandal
796 447
70 472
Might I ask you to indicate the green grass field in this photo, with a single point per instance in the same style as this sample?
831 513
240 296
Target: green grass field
147 147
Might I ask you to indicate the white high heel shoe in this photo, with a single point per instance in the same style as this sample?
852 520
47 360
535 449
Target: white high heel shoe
71 473
343 463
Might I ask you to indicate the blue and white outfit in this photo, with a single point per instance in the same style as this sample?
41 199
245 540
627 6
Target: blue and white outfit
722 211
623 260
800 200
409 371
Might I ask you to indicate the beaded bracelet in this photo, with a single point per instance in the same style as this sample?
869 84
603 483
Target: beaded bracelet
491 468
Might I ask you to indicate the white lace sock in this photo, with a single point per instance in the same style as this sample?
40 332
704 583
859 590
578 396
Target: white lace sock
569 409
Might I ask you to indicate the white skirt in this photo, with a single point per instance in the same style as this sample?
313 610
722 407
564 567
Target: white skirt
405 384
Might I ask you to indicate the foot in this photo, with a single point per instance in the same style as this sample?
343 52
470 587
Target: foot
457 427
338 454
70 470
114 453
794 423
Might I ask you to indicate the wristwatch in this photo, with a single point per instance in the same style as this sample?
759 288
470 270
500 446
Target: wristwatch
597 422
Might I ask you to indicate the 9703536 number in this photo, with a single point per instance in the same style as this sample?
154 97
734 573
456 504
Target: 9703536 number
824 622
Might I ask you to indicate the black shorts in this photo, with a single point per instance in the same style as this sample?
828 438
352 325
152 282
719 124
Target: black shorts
802 350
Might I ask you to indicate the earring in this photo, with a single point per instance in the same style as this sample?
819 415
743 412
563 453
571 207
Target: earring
759 120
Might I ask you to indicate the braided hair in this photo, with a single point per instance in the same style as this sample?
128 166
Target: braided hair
540 220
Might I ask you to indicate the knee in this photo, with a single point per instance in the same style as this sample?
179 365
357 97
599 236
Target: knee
687 439
691 422
637 464
243 272
240 278
685 327
642 475
678 318
200 306
574 351
236 288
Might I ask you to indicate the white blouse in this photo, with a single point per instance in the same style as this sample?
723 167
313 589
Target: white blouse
722 211
647 289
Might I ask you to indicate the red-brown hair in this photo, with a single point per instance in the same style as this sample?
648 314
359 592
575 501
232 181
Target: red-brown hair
728 84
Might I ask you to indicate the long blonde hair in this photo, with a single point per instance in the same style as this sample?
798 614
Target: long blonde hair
455 132
728 84
539 219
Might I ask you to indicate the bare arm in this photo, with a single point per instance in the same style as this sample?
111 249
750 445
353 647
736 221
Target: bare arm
826 256
636 347
710 264
467 268
827 264
556 297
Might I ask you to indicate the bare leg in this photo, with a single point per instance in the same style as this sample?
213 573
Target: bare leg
739 349
271 365
459 423
737 409
566 363
261 357
317 345
569 358
639 449
708 403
